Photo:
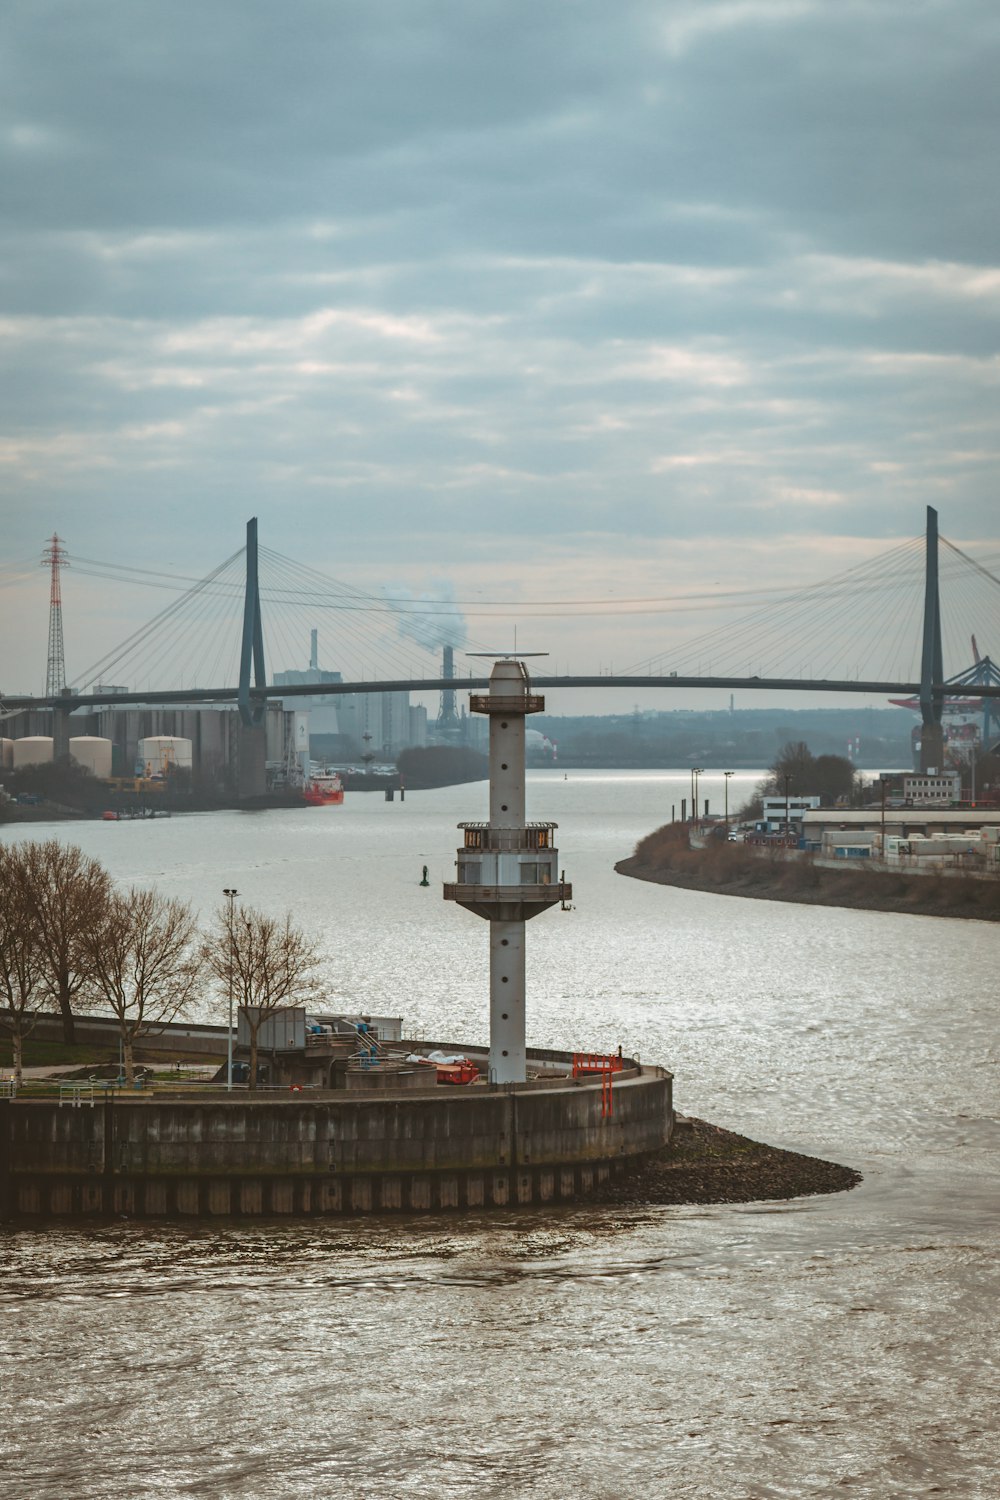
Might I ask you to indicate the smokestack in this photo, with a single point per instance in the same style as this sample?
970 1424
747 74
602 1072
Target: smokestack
447 717
313 650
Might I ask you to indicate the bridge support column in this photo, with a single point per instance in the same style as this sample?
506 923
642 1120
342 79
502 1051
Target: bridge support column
251 758
931 749
60 734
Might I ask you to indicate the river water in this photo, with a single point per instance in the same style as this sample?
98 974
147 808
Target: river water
824 1347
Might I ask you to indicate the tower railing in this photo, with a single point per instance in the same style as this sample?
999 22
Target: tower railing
507 703
513 840
544 893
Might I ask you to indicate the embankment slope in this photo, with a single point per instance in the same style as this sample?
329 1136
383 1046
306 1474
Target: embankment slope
666 858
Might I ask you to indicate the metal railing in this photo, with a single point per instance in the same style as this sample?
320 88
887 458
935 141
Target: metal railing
77 1094
507 703
603 1066
547 895
528 836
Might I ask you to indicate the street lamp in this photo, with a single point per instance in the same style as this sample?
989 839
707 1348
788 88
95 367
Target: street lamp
230 896
696 771
788 777
725 785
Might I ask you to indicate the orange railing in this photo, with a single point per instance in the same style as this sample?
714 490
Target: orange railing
604 1066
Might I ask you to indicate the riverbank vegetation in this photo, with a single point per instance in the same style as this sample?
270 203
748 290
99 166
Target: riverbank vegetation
796 771
71 940
775 874
266 964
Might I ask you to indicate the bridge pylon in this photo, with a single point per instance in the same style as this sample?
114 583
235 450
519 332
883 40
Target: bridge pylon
252 750
252 652
931 659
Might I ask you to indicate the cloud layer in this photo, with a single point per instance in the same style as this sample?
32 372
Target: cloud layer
560 297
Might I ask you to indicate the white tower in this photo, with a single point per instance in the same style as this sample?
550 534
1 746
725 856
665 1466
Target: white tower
508 869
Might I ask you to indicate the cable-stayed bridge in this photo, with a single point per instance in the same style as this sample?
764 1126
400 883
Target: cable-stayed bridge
883 627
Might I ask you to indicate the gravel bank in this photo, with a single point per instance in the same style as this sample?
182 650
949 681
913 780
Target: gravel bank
706 1164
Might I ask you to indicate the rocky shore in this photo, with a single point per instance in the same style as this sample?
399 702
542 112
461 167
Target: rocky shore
705 1164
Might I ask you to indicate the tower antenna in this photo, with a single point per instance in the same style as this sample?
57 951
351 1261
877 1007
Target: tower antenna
54 557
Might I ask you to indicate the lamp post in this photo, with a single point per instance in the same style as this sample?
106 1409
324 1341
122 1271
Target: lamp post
788 777
230 896
695 773
725 785
882 785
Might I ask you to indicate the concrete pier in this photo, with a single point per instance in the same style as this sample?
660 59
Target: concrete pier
476 1147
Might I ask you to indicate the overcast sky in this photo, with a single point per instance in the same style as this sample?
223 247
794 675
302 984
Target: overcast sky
575 300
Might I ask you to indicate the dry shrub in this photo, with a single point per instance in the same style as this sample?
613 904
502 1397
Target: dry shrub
663 848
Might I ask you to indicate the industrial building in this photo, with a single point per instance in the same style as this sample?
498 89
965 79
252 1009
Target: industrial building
912 838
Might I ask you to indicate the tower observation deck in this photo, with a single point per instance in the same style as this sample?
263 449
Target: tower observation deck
507 869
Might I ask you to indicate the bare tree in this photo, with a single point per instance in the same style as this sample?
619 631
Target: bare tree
69 891
270 963
142 955
22 989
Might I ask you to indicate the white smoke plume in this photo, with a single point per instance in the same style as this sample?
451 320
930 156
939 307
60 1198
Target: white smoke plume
432 618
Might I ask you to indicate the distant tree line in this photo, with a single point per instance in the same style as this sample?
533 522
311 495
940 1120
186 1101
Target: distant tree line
832 778
71 940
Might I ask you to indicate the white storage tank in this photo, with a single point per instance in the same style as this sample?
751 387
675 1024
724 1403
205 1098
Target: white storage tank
159 753
92 752
33 750
6 754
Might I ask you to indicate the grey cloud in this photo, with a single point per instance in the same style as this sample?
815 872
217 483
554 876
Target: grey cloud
424 278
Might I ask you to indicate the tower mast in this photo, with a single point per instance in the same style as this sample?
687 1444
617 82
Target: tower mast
508 868
54 557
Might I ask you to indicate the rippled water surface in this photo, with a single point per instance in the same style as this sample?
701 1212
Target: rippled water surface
824 1347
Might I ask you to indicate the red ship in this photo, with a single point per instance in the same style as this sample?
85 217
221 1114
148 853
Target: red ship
324 790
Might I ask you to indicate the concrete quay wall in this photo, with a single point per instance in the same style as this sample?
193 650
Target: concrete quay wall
479 1148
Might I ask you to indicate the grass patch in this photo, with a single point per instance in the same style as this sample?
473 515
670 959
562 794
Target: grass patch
37 1053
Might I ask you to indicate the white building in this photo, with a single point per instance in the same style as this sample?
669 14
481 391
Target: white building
923 787
776 809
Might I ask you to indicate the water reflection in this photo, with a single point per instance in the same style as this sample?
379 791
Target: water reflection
821 1347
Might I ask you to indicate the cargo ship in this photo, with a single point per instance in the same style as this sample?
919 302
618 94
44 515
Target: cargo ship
323 790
